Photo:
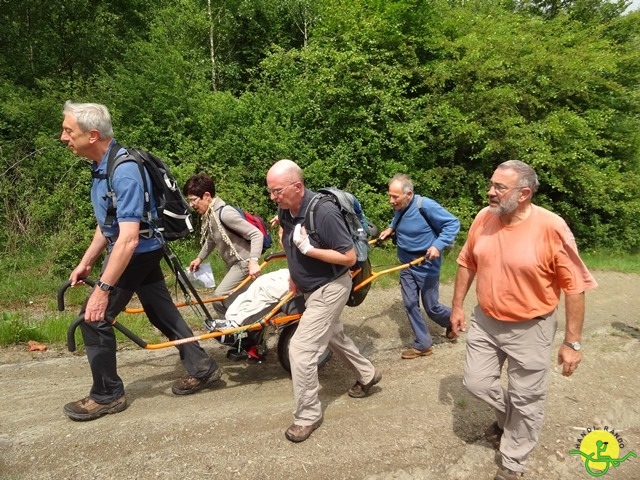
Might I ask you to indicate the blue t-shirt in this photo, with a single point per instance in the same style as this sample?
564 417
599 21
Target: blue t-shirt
129 190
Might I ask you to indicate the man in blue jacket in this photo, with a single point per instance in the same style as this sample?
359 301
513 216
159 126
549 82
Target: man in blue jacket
421 227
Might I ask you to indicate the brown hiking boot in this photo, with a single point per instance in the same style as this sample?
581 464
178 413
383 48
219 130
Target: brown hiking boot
88 409
360 390
299 433
451 335
188 384
411 352
493 435
506 474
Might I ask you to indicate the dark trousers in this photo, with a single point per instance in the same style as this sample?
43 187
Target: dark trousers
142 276
415 286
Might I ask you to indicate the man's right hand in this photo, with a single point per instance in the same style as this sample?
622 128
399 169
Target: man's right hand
96 308
458 323
301 239
385 234
79 274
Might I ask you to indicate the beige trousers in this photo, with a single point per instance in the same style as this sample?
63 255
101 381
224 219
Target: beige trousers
320 327
519 408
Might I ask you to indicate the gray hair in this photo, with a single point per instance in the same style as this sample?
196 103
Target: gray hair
526 175
91 116
405 182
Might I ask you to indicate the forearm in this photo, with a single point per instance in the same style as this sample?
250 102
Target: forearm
464 279
333 256
385 233
574 308
94 250
121 253
256 241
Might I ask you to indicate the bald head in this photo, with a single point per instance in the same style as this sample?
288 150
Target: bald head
285 181
285 171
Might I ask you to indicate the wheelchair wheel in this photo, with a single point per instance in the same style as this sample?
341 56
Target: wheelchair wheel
283 348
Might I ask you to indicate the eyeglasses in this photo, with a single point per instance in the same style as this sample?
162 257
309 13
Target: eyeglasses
193 199
500 188
276 192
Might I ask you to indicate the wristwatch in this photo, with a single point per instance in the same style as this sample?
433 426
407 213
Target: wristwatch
105 287
575 345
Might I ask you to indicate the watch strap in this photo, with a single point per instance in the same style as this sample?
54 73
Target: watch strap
574 345
104 286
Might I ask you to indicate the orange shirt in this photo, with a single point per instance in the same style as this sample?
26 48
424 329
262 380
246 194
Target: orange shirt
521 269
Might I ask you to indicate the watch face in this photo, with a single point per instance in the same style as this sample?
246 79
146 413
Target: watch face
575 345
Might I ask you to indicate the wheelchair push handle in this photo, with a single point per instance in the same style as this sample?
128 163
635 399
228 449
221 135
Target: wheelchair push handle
71 333
65 286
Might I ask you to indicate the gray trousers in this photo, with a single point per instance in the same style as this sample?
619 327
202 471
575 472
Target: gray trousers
320 326
234 277
519 408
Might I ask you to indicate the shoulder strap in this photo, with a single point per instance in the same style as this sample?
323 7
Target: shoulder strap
422 212
113 161
219 210
310 223
226 227
223 232
425 216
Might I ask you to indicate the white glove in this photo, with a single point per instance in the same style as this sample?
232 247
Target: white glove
301 239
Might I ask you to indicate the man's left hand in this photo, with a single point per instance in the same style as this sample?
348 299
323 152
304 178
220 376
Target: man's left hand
432 252
96 308
569 359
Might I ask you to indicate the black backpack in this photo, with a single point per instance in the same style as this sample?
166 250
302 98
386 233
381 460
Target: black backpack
359 227
173 220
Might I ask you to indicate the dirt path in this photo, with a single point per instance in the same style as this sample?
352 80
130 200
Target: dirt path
419 424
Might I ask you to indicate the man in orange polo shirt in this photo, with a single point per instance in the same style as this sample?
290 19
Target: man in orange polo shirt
522 257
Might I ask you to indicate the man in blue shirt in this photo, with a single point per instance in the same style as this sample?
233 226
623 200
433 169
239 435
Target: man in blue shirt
132 265
422 227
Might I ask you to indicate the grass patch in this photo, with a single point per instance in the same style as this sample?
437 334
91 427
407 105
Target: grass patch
462 403
16 329
28 290
612 261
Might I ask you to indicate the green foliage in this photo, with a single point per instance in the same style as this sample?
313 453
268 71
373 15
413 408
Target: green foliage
14 329
354 91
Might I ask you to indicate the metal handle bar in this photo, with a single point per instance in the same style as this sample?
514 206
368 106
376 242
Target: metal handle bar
259 325
266 260
65 286
71 337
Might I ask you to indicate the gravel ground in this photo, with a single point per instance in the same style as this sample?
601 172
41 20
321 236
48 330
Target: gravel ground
419 423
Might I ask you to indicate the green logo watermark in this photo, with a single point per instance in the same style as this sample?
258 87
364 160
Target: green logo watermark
600 449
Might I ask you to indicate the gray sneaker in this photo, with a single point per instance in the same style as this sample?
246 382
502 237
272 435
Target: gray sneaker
219 324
